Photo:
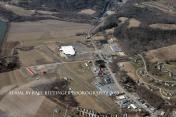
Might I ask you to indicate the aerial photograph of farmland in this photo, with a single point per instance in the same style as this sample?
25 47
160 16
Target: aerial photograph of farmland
87 58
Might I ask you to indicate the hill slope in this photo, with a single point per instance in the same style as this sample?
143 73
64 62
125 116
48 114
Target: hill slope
143 28
62 4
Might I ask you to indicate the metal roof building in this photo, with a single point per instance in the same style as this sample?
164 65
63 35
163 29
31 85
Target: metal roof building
68 50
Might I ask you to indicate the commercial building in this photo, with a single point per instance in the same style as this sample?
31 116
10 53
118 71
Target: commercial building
67 50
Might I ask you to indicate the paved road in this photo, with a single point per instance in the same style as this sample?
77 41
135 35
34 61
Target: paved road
160 89
60 63
145 68
121 89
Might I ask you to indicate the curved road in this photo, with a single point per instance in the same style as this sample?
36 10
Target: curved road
145 67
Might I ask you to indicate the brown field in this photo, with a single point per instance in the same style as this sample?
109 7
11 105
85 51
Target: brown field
36 57
130 69
39 106
47 107
31 57
134 23
39 32
15 105
11 78
81 81
43 36
87 11
165 53
27 105
5 79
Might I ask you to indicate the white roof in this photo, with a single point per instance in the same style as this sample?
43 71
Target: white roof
121 53
110 12
68 50
121 97
133 106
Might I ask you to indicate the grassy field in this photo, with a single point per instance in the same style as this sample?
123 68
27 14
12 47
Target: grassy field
42 35
34 57
39 32
81 81
130 68
47 109
165 53
12 78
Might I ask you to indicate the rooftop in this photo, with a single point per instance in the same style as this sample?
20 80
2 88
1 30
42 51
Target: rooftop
68 50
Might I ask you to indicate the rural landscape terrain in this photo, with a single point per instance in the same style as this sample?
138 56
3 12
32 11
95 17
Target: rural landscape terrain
87 58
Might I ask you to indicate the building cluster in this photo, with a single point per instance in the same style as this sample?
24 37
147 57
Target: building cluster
123 101
110 47
103 80
155 81
162 67
83 112
35 71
